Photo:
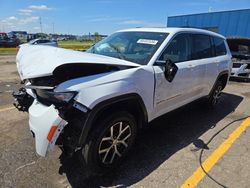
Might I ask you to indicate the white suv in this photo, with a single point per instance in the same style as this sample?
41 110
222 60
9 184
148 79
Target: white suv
95 102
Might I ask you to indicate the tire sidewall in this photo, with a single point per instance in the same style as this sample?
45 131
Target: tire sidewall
211 97
90 149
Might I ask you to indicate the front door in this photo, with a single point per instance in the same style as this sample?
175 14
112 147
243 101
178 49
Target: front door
170 95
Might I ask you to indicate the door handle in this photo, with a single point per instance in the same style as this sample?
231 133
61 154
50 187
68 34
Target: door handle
190 65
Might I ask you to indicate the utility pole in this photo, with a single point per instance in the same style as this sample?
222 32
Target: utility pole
40 20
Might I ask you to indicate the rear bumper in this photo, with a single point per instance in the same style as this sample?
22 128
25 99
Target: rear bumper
41 120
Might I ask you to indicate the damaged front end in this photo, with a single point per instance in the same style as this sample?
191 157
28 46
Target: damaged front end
54 117
241 69
49 96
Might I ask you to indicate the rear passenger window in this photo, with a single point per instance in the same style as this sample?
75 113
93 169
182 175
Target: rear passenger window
178 50
220 48
202 47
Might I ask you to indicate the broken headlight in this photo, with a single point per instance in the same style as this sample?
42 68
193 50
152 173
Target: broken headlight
55 97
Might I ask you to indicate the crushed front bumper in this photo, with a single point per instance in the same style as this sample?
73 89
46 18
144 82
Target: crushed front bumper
46 125
22 100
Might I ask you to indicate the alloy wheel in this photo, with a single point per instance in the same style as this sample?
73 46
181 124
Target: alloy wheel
217 95
115 142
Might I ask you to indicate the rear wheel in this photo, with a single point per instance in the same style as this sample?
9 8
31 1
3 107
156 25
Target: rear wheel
215 94
109 142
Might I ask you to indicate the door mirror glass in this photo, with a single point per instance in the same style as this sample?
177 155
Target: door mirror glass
170 70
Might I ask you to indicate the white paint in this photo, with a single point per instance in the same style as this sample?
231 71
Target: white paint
193 80
41 119
36 61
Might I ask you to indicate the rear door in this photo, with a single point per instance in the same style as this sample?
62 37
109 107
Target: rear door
219 62
202 57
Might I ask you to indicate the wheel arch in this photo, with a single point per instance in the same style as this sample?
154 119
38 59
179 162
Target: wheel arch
223 76
132 103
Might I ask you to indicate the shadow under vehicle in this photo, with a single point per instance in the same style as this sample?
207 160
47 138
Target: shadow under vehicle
155 145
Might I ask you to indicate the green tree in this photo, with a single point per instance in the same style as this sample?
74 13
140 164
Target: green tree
97 37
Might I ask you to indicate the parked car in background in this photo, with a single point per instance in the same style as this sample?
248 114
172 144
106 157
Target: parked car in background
3 38
241 67
240 49
97 101
8 41
48 42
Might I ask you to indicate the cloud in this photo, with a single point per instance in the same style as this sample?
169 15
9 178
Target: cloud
28 20
131 22
39 7
13 22
154 24
125 21
25 12
37 28
105 19
12 18
142 23
25 22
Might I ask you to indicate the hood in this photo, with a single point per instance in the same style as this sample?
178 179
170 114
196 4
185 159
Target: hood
38 61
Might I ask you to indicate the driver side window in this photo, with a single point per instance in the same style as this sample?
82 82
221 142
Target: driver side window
178 50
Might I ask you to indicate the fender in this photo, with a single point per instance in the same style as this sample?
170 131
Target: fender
92 114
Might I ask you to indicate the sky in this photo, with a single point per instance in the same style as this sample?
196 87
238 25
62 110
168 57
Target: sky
80 17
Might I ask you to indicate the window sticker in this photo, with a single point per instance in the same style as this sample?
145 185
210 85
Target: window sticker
147 41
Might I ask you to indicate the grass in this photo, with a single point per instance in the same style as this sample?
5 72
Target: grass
70 44
75 45
8 50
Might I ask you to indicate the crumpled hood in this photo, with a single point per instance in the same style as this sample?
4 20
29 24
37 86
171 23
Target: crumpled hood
38 61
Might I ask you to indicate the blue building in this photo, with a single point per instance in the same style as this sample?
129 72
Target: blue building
234 23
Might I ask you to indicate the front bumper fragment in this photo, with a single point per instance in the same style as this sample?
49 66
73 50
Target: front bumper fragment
42 120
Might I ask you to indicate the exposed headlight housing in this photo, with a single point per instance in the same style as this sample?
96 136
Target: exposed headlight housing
55 97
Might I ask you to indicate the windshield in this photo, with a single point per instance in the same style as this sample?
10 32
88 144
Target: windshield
137 47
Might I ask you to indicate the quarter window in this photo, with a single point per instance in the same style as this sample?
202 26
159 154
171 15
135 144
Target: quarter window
178 50
220 48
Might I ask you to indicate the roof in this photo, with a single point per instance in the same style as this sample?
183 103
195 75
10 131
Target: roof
172 30
209 13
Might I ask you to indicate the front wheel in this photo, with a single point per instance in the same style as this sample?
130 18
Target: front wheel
109 142
215 95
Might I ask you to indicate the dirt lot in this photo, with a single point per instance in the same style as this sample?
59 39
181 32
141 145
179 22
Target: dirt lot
165 155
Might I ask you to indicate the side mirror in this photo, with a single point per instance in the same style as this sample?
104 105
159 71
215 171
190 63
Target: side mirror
170 70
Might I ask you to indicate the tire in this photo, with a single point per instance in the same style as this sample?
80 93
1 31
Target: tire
215 95
108 143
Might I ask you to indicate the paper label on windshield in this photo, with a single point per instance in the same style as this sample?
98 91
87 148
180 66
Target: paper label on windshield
147 41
